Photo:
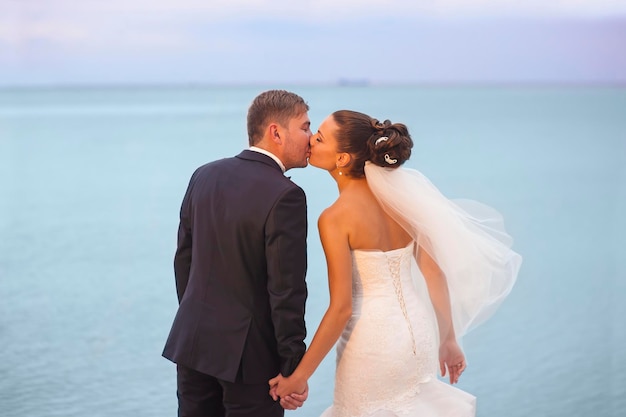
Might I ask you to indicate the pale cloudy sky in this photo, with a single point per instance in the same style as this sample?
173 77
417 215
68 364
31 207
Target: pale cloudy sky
54 42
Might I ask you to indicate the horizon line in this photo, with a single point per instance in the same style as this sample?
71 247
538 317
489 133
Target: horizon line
341 83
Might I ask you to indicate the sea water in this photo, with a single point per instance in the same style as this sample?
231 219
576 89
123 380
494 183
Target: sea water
91 182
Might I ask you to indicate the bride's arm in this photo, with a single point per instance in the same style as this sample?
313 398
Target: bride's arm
438 292
450 354
339 263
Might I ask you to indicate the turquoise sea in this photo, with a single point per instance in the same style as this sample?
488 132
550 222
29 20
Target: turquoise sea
90 186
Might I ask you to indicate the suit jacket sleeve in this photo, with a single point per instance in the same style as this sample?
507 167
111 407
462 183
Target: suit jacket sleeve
285 240
182 258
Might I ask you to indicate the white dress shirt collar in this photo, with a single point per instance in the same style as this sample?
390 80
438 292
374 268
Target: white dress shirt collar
271 155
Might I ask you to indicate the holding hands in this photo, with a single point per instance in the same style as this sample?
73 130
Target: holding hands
291 391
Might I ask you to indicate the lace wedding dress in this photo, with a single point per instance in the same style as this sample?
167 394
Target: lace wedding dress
387 354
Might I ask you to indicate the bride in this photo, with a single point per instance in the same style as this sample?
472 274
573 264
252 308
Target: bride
409 273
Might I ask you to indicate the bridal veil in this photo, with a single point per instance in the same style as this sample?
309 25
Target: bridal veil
465 238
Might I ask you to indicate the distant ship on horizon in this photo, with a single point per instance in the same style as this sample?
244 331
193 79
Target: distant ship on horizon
350 82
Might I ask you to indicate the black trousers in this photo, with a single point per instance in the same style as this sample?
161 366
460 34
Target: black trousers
201 395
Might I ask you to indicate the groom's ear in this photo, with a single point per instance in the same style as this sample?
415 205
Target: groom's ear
274 134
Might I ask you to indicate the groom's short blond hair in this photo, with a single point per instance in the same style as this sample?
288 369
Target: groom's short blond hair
273 106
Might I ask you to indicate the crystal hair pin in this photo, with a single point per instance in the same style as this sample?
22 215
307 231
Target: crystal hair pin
381 139
389 160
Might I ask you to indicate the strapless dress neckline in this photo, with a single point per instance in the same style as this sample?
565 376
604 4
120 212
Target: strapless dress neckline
408 246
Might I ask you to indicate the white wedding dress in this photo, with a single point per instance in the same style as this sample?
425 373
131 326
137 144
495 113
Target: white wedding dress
387 354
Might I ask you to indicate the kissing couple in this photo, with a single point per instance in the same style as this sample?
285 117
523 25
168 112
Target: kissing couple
409 273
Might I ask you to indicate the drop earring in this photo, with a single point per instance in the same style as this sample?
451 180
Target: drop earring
340 173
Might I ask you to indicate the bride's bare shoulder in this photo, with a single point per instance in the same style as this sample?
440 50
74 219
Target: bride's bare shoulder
332 213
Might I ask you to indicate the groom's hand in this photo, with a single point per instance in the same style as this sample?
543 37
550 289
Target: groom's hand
291 401
294 401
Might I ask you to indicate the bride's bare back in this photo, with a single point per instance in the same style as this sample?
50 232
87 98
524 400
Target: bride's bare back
367 225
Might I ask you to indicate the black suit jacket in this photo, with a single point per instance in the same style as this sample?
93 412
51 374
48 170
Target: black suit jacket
240 271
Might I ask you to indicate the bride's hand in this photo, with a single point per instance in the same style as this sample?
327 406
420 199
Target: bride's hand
290 402
282 387
294 401
273 384
451 357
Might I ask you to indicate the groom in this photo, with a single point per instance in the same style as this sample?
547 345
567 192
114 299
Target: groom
240 269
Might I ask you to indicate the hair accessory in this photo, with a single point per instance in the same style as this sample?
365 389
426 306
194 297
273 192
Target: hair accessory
381 139
389 160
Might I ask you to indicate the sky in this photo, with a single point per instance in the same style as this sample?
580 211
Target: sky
78 42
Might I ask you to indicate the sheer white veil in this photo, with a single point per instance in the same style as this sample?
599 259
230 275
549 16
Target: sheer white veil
467 240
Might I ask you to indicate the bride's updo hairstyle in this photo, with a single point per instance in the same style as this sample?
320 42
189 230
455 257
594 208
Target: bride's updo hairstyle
385 144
